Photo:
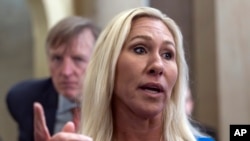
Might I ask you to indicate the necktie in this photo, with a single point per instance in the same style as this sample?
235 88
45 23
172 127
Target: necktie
76 116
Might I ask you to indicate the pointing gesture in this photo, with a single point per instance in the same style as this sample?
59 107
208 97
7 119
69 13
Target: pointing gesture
41 132
40 127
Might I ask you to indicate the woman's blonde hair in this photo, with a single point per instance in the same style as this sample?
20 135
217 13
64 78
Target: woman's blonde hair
97 121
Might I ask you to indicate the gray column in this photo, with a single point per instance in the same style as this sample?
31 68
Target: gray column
223 62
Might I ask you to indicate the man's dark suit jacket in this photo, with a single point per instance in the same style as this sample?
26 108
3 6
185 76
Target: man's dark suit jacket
20 101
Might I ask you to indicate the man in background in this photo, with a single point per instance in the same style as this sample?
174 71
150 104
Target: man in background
68 46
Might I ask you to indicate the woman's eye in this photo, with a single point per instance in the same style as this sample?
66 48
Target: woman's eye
167 55
139 50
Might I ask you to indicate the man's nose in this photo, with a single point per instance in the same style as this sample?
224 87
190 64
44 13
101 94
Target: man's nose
67 67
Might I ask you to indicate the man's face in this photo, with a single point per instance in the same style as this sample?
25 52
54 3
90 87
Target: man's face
68 62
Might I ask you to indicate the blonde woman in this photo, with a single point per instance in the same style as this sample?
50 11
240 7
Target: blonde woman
136 80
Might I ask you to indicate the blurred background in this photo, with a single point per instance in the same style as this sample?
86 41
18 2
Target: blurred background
216 38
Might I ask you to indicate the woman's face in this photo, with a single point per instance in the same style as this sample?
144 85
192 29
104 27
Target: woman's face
146 70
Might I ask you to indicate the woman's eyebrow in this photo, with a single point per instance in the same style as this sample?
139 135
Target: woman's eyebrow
141 36
167 42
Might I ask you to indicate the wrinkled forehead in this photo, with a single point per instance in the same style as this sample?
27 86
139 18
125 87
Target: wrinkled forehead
153 17
70 50
72 47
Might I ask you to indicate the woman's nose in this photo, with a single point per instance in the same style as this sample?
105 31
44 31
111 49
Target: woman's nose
156 66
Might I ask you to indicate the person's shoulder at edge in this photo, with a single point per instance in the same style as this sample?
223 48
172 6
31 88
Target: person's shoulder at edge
22 95
26 86
25 91
204 138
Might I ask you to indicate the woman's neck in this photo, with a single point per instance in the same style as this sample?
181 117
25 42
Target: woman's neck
129 136
132 127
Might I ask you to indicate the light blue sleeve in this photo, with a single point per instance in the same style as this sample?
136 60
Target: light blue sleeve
204 139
